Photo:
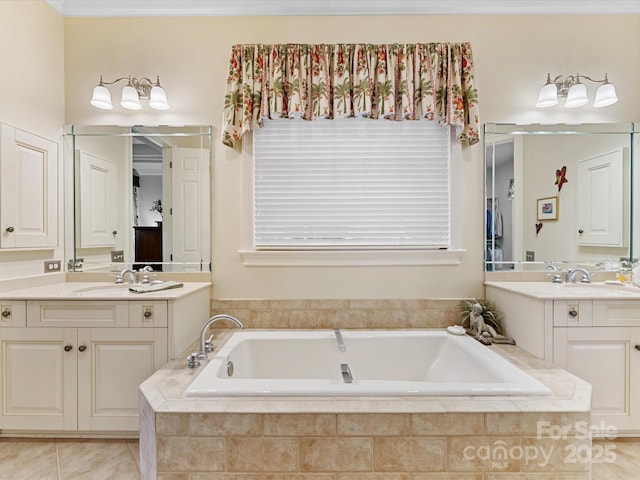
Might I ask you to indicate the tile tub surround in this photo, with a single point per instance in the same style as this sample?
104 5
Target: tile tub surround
304 314
364 438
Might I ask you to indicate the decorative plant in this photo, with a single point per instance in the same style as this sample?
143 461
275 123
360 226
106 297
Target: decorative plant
489 313
156 206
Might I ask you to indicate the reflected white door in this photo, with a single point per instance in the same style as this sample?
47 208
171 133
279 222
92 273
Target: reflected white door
600 200
98 201
190 237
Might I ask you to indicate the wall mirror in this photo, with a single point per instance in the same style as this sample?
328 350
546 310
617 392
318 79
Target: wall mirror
557 196
141 195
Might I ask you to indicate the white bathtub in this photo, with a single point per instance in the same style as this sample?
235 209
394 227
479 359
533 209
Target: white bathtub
381 362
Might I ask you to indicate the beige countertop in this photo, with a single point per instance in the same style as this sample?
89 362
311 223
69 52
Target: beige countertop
97 291
561 291
164 393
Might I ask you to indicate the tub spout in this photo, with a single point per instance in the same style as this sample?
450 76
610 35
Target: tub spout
205 345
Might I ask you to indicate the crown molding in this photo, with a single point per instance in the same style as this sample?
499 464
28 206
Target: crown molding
152 8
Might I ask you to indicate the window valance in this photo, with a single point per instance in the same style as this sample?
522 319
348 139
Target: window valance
433 81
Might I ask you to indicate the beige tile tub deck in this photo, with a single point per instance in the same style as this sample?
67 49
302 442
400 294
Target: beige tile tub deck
358 438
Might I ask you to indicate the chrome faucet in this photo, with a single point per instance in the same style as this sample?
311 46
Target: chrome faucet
206 346
571 275
133 276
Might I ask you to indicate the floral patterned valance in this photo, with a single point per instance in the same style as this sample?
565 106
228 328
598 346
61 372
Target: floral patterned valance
433 81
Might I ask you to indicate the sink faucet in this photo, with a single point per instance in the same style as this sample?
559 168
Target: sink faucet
133 276
571 275
205 345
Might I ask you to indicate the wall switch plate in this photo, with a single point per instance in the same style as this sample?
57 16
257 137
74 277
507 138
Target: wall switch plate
51 266
117 256
531 256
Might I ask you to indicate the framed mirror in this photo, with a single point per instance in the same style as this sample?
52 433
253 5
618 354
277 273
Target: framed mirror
559 195
140 195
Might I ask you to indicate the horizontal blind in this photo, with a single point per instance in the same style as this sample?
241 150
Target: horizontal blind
351 183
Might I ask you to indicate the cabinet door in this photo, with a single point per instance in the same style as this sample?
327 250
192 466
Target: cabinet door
608 360
112 363
28 190
98 201
39 378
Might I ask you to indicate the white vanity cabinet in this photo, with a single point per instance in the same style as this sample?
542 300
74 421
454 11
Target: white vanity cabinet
597 339
604 350
75 365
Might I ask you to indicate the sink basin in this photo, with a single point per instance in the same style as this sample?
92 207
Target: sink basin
109 289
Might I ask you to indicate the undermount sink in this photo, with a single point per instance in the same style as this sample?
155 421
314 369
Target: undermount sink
109 289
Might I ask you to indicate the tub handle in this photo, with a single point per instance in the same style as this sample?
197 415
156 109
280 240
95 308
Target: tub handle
346 373
341 345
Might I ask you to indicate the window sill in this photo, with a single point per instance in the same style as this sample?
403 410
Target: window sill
350 258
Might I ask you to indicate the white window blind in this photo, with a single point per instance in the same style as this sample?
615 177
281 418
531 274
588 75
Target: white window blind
351 183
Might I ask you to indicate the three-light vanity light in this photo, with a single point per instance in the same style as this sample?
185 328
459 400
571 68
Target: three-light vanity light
575 91
131 94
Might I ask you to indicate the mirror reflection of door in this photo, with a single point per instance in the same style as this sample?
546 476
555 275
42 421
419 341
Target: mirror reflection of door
501 191
147 202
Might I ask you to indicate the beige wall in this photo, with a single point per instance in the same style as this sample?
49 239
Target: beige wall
513 55
32 97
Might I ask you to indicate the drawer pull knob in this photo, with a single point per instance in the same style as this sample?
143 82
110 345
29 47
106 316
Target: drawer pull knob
147 314
6 313
637 347
10 229
82 348
115 232
68 348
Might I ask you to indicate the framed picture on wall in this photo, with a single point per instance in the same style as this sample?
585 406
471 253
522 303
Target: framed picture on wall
548 208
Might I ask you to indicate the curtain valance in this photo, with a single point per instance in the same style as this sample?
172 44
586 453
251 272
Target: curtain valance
433 81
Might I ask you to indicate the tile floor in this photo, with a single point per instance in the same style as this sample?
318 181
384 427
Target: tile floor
68 459
91 459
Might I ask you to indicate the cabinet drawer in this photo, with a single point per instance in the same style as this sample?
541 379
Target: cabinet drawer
13 313
77 314
148 314
616 313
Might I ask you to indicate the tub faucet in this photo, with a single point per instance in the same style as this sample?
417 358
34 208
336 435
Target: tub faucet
571 275
205 345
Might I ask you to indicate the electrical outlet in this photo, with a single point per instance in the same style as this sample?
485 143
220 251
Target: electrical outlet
51 266
117 256
531 256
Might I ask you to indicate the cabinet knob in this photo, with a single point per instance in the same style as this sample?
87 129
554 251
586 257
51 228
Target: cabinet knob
147 314
10 229
82 348
6 313
68 348
581 231
637 347
115 232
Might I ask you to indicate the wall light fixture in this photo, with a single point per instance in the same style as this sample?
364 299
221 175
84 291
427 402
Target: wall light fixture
131 94
575 92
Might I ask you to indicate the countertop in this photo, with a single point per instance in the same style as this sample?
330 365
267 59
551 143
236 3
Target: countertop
561 291
98 291
163 391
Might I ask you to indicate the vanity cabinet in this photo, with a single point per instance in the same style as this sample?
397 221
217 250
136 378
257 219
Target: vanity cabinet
28 190
597 340
75 365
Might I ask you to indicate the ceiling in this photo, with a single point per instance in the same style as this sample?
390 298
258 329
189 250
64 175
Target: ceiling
118 8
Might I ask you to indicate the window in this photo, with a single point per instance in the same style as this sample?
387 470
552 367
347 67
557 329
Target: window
352 185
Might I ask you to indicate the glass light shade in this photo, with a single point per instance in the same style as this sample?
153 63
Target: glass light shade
101 98
548 96
158 98
605 95
130 99
577 96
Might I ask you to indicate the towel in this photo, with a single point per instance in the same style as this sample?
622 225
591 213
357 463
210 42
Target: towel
154 287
